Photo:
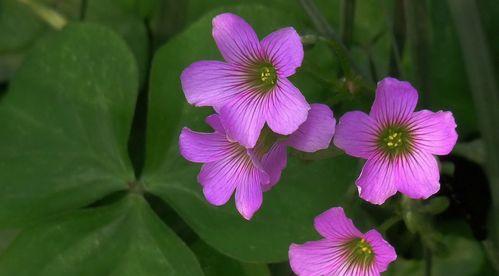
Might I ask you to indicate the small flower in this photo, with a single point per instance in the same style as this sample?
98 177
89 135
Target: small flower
251 88
398 143
343 251
229 166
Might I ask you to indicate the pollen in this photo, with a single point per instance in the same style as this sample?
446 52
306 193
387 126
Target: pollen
395 140
359 252
268 75
262 76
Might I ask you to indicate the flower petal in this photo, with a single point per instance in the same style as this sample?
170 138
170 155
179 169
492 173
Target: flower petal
286 108
317 131
218 181
383 251
434 132
418 175
273 162
220 178
283 48
335 225
243 118
249 193
314 258
214 121
395 101
211 83
378 179
236 39
356 134
325 257
203 147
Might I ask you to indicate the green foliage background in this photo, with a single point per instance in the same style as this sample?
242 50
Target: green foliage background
91 182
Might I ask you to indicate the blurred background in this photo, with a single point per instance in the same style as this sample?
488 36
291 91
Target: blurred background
448 49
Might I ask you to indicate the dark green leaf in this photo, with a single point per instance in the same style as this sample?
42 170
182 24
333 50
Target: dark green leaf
65 124
463 257
126 23
18 26
125 238
216 264
481 73
450 88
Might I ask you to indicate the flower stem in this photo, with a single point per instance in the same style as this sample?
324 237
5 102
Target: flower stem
347 19
427 261
50 16
387 224
481 73
319 20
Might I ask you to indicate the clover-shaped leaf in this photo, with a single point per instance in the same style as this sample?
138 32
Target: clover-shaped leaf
125 238
66 122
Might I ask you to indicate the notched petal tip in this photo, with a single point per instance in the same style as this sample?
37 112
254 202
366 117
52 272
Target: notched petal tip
334 224
235 38
284 49
394 102
224 17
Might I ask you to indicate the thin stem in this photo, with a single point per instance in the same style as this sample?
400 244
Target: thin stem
329 35
428 262
418 31
83 9
319 20
397 25
387 224
347 19
53 18
483 83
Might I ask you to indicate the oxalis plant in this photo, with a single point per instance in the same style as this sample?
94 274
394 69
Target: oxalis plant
250 142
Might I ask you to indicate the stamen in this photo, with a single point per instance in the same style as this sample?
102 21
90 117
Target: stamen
263 76
395 140
359 252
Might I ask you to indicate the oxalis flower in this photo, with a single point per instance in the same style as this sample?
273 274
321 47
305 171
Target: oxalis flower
398 143
251 88
229 166
343 251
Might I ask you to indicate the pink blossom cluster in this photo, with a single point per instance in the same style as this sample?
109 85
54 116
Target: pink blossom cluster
260 113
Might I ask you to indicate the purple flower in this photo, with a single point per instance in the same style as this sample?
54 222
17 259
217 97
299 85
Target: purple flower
229 166
251 88
398 143
343 251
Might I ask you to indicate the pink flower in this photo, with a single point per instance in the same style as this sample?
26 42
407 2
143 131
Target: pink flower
398 143
251 88
229 166
343 251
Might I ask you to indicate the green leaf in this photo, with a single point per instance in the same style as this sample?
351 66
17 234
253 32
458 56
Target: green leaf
20 28
462 257
450 88
305 190
128 24
125 238
216 264
65 124
481 73
18 25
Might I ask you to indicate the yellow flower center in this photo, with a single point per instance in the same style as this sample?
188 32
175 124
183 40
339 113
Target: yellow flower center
360 252
395 140
268 75
262 76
